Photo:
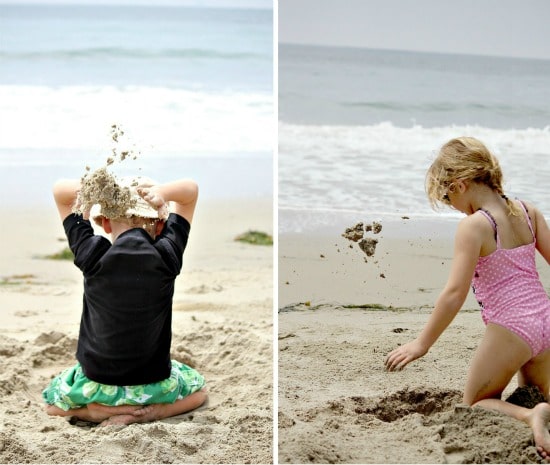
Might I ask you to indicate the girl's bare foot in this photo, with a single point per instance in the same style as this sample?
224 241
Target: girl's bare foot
538 420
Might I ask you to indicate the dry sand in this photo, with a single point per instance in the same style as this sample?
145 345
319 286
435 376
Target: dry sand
338 319
222 324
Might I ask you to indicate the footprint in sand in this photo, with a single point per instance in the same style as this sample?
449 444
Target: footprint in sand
203 289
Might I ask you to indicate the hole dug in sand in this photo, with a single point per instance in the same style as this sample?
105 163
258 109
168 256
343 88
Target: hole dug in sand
406 402
421 425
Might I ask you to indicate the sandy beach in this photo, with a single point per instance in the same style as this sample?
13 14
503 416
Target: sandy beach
339 316
222 325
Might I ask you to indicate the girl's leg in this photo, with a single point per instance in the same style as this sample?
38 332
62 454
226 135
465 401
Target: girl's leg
536 372
500 355
155 412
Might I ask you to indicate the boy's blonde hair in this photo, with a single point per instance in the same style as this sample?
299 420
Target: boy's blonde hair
464 159
149 225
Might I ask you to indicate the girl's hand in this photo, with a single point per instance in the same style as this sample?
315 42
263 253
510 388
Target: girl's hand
153 198
402 356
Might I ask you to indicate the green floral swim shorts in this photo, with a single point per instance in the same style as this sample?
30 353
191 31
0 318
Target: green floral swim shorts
72 389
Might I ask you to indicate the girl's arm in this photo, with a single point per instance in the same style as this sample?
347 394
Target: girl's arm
466 253
65 193
182 193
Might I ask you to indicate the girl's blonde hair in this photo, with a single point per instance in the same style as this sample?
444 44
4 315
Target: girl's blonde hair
464 159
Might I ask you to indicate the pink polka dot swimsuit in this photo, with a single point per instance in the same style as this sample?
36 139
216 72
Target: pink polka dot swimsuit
508 288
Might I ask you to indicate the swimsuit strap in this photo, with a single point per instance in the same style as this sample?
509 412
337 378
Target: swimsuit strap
527 217
493 223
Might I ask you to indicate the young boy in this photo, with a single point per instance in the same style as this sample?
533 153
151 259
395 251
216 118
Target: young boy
124 373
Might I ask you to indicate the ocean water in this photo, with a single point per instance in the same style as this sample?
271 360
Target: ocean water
192 88
358 129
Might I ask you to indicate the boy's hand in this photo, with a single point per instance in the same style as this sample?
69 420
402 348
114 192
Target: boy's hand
402 356
153 198
78 207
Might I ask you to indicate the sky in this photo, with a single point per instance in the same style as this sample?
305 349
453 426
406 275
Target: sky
201 3
515 28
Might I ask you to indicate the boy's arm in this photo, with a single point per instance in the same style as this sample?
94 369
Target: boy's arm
65 193
183 193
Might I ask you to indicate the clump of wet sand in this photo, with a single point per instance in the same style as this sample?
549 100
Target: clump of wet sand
354 233
357 234
368 245
376 227
101 186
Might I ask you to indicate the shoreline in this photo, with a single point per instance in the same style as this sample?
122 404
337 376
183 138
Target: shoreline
395 224
29 182
403 272
409 267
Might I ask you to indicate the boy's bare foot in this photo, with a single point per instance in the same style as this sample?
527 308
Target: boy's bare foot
143 415
82 413
127 414
95 413
115 410
538 420
155 412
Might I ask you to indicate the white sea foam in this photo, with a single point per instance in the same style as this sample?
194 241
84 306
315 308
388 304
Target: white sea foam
385 138
158 119
380 169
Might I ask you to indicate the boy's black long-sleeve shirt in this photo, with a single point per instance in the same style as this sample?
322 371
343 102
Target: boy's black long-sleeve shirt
125 329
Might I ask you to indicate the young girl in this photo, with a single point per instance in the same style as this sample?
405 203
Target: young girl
495 252
124 372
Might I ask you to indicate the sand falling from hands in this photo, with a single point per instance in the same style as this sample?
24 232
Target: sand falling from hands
101 186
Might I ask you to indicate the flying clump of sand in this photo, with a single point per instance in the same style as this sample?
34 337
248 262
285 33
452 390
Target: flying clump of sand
101 186
357 234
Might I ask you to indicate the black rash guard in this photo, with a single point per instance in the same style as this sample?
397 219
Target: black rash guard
125 329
